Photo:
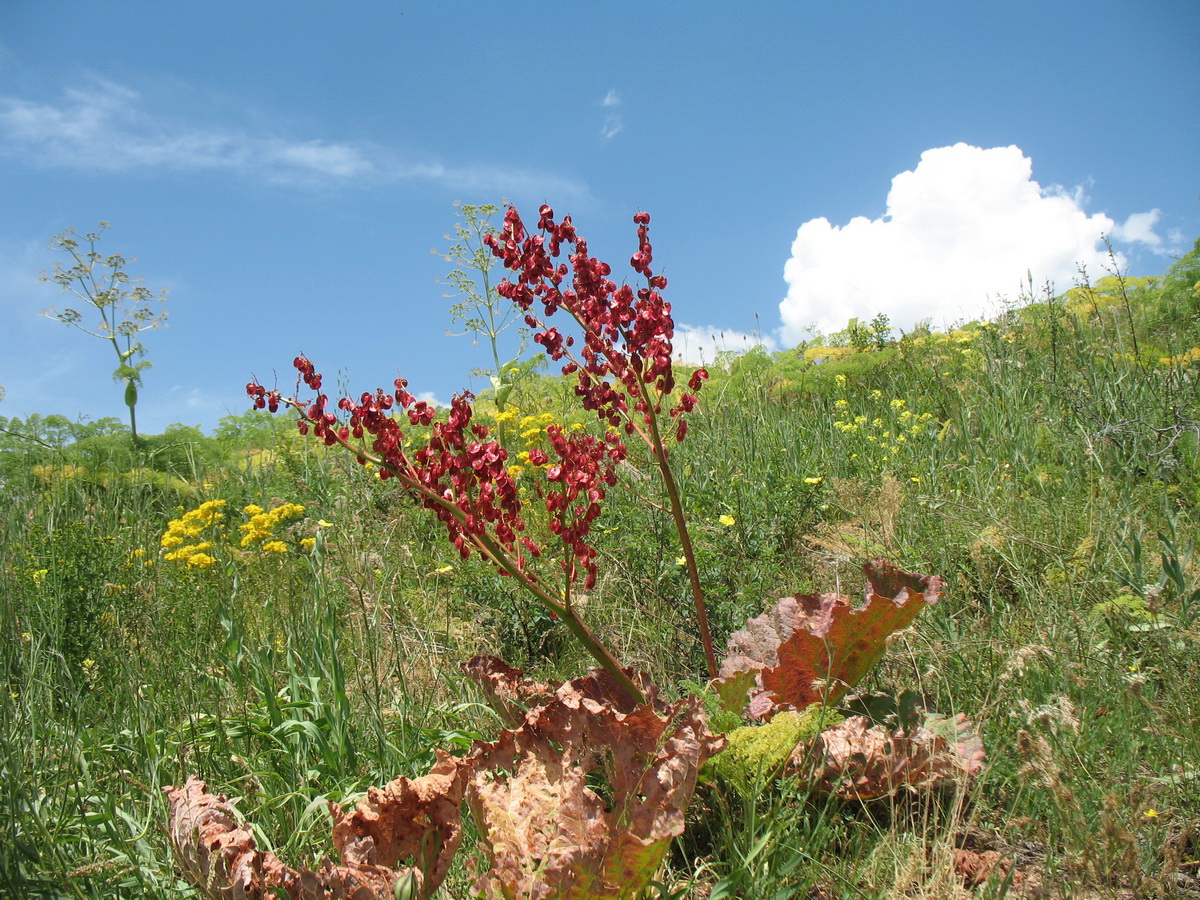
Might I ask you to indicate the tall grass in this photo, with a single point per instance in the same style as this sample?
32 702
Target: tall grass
1047 471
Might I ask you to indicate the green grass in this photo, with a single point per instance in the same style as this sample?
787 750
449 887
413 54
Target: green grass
1048 473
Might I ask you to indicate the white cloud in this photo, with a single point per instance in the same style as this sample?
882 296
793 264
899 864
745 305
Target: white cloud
612 98
1139 228
966 225
698 346
431 399
107 127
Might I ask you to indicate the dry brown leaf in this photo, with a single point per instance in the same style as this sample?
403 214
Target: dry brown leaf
814 647
214 852
858 760
414 820
507 691
975 868
549 830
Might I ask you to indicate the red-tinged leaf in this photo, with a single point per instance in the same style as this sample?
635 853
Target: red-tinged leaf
861 761
409 820
815 647
507 691
547 834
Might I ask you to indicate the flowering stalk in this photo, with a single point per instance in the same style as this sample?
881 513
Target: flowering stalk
624 368
461 477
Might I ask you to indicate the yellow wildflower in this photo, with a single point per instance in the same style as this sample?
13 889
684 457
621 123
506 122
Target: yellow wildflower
727 521
274 547
814 479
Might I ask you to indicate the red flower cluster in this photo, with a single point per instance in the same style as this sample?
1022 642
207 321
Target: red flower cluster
626 356
462 476
586 467
458 474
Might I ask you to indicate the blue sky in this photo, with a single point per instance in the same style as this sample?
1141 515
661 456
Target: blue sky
284 169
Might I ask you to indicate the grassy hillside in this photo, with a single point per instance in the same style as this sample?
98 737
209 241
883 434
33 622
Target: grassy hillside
1045 464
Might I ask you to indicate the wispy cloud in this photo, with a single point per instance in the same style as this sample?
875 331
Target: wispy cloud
107 127
1139 228
613 123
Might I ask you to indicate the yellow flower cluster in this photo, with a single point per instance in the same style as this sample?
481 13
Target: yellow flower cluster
49 474
890 430
1184 359
181 539
195 537
260 529
532 432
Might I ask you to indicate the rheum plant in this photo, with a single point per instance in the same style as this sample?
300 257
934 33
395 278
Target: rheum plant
546 831
622 365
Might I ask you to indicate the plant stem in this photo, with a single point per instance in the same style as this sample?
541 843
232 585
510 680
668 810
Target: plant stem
685 539
491 550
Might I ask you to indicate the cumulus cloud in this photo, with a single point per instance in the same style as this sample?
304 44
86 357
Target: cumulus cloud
107 127
699 346
965 226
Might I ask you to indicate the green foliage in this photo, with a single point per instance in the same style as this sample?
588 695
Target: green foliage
756 754
69 574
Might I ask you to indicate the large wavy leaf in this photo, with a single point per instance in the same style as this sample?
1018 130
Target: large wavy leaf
584 798
409 820
859 760
814 647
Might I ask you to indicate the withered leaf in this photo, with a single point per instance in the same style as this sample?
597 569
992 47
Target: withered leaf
975 868
409 820
507 691
858 760
549 830
215 853
814 647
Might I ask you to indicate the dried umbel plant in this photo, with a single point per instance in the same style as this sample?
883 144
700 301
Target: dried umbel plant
125 308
